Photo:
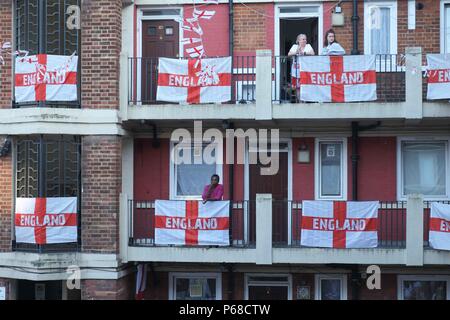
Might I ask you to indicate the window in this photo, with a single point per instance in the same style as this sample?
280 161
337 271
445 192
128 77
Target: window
446 27
331 169
424 288
191 286
331 287
423 168
41 27
268 287
380 27
192 171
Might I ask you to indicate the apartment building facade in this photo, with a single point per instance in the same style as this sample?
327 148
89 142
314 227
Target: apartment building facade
112 150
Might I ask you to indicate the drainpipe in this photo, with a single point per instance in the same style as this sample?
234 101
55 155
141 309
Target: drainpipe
231 39
355 19
230 282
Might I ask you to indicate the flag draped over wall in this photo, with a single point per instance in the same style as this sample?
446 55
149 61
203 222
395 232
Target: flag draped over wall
438 76
192 223
46 220
439 229
46 77
338 78
194 80
339 224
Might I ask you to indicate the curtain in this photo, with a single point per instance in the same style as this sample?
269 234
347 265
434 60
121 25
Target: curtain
380 30
424 290
424 168
330 158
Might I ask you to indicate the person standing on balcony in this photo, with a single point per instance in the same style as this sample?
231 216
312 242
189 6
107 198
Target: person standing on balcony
331 47
300 48
214 191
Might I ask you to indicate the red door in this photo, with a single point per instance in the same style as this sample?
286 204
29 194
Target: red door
160 38
277 185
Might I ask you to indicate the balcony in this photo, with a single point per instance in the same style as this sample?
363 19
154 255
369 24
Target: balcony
262 90
267 231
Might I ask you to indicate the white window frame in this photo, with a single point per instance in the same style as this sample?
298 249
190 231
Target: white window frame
173 176
318 279
287 284
403 197
402 278
394 31
317 169
442 13
192 275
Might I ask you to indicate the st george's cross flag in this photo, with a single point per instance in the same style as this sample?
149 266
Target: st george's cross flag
192 223
45 77
439 236
194 81
339 224
46 220
438 71
337 78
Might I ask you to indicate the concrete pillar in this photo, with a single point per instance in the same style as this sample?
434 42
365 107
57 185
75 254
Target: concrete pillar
414 230
123 83
263 85
413 79
126 195
263 229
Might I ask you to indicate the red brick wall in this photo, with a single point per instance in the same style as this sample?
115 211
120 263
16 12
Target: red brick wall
6 26
121 289
157 286
5 202
100 49
101 180
253 28
302 173
388 289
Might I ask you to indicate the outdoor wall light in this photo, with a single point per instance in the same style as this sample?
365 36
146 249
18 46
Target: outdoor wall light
337 17
303 155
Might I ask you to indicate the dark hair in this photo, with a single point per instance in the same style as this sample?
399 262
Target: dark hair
217 176
325 43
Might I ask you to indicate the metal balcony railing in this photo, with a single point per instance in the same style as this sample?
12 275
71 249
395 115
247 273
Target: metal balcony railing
390 69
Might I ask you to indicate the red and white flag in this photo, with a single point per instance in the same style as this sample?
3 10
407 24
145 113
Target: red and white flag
46 77
338 78
438 76
192 223
439 236
46 220
196 52
194 80
339 224
141 281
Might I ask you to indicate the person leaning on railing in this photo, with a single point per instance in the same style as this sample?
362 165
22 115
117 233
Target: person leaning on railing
331 47
300 48
214 191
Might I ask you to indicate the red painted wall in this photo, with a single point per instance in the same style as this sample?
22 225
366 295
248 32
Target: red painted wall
215 30
302 174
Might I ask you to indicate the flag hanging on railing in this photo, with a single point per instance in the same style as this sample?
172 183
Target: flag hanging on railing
141 281
46 77
439 236
438 71
339 224
46 220
192 223
338 78
194 80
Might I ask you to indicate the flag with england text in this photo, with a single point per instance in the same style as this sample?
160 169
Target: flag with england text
438 71
192 223
339 224
194 81
338 78
439 226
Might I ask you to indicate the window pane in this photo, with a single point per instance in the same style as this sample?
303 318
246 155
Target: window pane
424 168
195 289
330 167
425 290
330 289
192 178
380 30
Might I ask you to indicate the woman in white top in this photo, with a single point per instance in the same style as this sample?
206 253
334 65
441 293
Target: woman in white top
331 47
300 48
